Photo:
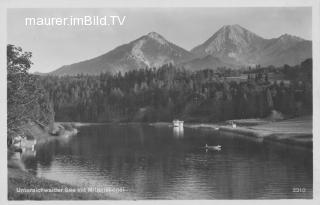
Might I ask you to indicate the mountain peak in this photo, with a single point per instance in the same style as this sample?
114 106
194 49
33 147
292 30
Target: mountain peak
153 50
155 36
230 42
234 31
232 26
236 45
230 46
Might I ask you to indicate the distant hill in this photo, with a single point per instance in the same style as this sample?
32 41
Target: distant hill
231 46
236 45
207 62
38 73
151 50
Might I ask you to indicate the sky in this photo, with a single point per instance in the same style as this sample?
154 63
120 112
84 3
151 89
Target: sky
55 46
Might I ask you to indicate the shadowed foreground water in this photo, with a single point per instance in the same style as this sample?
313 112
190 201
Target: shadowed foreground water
166 163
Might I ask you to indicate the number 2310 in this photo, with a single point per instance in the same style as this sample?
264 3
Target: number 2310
298 189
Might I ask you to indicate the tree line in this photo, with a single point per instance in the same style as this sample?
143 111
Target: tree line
169 92
150 94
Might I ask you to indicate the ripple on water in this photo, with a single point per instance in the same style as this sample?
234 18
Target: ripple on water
151 163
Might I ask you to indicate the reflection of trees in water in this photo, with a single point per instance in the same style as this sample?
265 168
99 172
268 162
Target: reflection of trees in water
30 161
140 133
46 152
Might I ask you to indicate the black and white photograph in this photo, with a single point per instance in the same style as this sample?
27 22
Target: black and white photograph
160 103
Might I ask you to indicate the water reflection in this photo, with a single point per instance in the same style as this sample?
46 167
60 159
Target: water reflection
158 163
178 132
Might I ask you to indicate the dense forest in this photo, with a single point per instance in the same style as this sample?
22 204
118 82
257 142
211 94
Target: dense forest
150 94
27 101
169 92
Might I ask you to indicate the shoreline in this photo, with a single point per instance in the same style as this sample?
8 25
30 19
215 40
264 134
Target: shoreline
19 178
295 131
297 139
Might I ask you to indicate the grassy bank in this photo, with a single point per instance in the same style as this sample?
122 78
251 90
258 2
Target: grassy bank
296 131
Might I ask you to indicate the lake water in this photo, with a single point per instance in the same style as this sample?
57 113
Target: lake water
165 163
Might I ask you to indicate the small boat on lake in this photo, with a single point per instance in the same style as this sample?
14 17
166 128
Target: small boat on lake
216 147
177 123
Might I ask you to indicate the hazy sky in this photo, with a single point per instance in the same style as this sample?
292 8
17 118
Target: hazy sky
55 46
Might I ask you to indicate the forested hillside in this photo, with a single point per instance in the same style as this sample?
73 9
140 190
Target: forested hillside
27 101
168 92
